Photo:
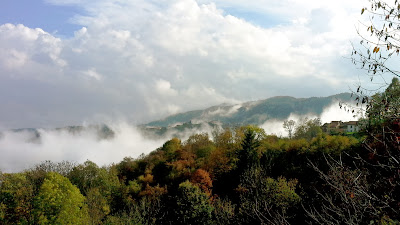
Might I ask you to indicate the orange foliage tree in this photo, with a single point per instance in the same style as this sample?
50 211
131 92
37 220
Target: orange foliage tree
202 179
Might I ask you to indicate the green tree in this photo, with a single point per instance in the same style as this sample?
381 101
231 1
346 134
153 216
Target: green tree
193 205
200 144
89 175
59 202
224 212
308 129
170 147
384 107
289 126
143 212
98 206
99 185
249 155
16 195
264 200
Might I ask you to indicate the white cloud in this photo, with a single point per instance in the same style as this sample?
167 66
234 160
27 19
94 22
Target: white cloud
159 57
164 88
58 146
23 48
335 113
13 59
93 74
21 150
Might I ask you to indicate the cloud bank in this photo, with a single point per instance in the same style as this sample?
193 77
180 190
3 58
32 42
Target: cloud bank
142 60
21 150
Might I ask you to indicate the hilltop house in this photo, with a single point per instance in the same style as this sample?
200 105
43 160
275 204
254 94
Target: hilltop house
352 126
341 127
332 127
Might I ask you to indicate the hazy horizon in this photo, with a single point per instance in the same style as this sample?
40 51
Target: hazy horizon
104 119
61 145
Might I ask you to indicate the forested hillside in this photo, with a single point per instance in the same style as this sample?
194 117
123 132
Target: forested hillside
256 112
183 124
238 176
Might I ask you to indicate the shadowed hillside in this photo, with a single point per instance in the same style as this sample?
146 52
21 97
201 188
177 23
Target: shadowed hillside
255 112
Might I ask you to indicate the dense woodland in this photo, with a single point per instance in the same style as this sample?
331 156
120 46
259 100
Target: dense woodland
236 176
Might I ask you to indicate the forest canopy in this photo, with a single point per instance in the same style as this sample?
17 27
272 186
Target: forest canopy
240 175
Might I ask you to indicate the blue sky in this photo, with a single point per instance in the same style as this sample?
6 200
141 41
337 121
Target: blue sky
38 14
256 18
64 62
56 19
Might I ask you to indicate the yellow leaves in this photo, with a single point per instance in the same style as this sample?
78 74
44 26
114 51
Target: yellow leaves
241 190
147 179
153 192
370 28
376 50
60 202
362 10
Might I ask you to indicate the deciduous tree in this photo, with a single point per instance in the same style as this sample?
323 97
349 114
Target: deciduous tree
193 205
59 202
289 126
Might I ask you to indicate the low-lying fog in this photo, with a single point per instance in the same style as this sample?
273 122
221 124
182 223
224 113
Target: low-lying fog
330 113
20 150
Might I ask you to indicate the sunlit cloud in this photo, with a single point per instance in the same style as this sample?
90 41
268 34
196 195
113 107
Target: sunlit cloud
148 59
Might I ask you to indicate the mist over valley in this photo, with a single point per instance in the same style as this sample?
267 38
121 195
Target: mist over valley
110 143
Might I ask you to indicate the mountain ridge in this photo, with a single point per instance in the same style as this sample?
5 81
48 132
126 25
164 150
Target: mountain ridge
225 115
253 112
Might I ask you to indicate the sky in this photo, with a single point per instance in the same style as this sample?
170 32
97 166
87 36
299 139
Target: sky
66 62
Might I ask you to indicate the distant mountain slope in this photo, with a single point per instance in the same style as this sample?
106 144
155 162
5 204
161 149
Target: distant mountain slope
101 132
256 112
